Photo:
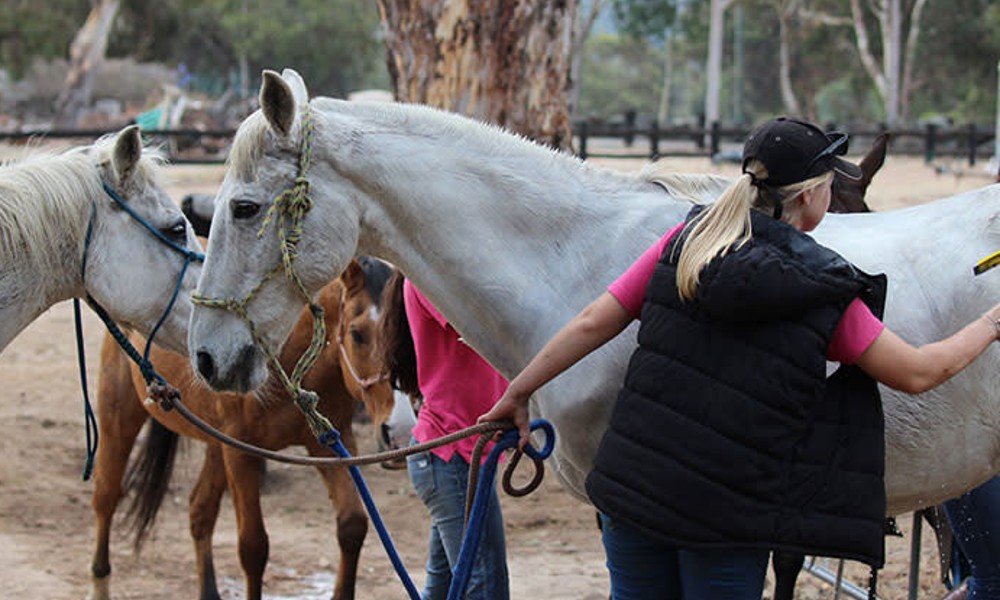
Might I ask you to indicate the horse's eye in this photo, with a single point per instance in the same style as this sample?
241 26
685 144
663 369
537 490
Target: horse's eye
244 209
176 232
357 337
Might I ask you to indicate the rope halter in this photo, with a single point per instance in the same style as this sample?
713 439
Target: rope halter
287 213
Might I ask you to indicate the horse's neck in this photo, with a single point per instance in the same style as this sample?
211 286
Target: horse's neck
48 269
508 260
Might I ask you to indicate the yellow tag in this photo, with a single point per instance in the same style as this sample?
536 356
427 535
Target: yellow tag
987 263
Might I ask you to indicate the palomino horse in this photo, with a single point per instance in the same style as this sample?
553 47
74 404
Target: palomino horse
63 234
510 240
347 370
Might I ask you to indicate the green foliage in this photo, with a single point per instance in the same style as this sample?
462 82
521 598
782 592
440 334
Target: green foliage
336 45
333 43
645 18
32 30
956 66
618 74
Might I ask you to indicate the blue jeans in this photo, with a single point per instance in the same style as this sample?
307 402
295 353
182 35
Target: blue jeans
643 568
442 487
975 521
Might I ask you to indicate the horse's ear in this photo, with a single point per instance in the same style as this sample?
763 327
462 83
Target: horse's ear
297 85
353 277
277 102
128 150
875 158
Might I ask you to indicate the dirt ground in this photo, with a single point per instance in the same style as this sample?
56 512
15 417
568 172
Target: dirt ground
46 526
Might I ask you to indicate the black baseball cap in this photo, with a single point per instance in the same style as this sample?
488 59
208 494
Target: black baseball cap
794 151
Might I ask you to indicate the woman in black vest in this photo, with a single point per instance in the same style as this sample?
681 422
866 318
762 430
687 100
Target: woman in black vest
728 439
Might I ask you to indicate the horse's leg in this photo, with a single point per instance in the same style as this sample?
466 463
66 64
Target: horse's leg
120 417
787 566
243 473
352 522
203 512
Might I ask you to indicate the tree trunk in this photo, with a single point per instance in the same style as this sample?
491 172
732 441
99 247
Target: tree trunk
788 97
714 68
85 54
892 36
894 80
507 63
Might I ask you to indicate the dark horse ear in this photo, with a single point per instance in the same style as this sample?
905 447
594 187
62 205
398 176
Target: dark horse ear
277 102
848 194
875 158
353 277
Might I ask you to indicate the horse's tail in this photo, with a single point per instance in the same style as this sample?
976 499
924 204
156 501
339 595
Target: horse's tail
394 341
148 479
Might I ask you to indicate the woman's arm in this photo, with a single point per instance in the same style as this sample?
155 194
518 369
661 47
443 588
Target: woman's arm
913 370
602 320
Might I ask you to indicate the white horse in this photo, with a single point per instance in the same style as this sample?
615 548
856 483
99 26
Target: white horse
510 240
48 202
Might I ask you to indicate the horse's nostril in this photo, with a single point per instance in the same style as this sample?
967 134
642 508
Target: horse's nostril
206 366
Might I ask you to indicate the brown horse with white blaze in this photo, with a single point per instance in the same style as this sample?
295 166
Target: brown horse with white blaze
346 371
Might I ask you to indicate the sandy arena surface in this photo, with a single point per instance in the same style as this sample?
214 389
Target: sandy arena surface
46 525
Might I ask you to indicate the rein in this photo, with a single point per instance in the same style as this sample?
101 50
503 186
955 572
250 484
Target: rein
142 360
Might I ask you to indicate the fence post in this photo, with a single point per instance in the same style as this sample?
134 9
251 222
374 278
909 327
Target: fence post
654 140
629 137
584 126
929 141
714 148
971 128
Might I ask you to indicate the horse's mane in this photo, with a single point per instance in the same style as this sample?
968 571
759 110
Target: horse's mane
694 186
394 118
33 231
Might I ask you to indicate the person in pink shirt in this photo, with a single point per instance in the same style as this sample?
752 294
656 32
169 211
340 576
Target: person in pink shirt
730 438
456 386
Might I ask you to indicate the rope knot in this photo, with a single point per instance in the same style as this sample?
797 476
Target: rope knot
307 401
163 394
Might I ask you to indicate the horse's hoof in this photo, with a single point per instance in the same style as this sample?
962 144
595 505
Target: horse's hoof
100 589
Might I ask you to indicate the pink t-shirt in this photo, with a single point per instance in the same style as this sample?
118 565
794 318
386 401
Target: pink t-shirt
457 384
857 329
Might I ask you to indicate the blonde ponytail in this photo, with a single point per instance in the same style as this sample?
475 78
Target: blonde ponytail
724 225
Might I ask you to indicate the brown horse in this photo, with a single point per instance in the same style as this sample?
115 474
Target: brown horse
267 419
849 196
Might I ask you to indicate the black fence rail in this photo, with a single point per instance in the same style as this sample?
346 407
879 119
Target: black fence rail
601 140
182 146
969 142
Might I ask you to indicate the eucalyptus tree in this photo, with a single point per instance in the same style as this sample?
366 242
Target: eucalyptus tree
507 63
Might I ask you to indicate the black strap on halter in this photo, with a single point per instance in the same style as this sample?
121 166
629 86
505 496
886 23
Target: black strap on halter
145 366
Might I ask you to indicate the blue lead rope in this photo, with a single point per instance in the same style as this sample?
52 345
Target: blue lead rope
473 531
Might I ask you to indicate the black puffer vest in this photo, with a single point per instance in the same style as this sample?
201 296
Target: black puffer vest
728 432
